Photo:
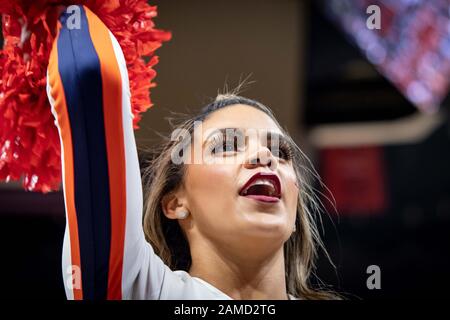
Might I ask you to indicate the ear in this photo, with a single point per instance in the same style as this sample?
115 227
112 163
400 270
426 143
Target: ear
173 204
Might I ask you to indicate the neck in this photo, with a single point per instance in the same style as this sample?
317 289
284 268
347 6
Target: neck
242 277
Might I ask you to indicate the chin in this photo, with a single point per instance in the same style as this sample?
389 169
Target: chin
269 228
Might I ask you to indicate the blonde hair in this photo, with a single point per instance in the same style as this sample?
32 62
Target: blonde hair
162 176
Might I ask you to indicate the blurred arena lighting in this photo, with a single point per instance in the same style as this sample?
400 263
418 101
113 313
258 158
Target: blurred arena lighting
412 47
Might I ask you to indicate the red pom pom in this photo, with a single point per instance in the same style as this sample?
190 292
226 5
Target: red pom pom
29 140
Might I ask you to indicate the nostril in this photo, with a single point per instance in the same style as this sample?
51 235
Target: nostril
262 158
254 161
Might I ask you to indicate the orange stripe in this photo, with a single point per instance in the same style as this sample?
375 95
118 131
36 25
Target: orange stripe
112 111
57 92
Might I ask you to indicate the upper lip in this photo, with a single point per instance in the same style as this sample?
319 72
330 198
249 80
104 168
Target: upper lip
272 178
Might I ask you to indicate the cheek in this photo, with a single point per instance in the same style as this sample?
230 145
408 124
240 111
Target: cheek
211 190
291 191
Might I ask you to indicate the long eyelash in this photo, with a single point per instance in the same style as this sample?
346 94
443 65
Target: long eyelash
221 140
218 141
214 143
287 149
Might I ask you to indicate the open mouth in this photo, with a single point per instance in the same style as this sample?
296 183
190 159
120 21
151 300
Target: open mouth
265 187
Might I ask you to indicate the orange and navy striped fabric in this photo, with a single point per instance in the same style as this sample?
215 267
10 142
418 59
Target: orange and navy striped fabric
86 87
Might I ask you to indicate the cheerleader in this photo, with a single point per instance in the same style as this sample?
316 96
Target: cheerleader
238 224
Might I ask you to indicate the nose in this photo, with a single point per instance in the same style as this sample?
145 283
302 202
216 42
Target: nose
261 157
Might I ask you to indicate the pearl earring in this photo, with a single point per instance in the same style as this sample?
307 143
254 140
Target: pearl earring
182 214
295 228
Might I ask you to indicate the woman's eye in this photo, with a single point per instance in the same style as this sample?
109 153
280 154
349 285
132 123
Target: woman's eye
283 152
227 145
232 145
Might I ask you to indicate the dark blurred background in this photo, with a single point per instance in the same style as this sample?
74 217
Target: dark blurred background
369 107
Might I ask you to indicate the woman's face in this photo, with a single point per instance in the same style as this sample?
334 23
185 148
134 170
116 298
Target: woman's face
245 188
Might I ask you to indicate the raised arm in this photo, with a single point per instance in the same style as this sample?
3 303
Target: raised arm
105 255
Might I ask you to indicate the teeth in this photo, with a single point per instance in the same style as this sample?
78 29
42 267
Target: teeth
262 182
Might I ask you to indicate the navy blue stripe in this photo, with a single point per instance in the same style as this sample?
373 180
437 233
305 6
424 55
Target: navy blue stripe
79 68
